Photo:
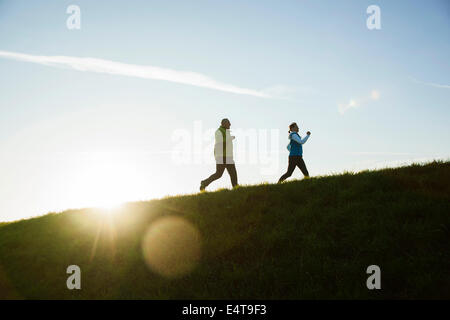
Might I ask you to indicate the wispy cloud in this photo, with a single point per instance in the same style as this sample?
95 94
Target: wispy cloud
355 103
132 70
436 85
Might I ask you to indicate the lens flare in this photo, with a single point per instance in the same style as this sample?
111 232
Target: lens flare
171 247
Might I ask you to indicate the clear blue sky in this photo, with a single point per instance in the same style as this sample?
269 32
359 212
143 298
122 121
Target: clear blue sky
71 138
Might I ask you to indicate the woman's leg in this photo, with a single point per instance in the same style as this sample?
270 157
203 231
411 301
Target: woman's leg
302 166
289 171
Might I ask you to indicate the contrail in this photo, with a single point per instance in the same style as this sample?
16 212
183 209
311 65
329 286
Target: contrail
436 85
132 70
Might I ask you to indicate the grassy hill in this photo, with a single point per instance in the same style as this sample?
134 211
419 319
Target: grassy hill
299 240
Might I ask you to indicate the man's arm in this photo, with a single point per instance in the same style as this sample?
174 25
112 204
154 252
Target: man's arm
218 137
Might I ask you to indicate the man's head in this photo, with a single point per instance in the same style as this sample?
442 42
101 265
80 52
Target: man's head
293 127
225 123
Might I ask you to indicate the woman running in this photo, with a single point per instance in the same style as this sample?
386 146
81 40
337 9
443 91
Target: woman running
295 152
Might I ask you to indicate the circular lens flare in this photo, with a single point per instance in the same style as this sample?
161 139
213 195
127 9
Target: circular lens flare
171 247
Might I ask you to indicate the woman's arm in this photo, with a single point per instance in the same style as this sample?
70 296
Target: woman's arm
302 141
296 138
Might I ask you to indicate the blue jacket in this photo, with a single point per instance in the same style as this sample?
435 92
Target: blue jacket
295 144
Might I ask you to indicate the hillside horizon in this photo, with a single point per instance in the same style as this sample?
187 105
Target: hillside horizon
302 239
294 179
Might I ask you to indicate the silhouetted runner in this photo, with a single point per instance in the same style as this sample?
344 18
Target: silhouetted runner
295 152
223 152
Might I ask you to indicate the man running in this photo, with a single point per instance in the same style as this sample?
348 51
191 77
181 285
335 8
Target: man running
223 152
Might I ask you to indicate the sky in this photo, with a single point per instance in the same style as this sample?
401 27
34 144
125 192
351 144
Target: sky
125 107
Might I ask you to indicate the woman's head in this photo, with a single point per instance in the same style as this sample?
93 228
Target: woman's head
293 127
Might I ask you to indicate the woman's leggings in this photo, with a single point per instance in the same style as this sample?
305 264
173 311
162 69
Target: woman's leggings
293 162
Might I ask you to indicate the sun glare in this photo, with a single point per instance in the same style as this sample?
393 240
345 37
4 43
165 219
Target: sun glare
106 181
111 208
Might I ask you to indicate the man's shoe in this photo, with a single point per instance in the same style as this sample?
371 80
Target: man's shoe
202 186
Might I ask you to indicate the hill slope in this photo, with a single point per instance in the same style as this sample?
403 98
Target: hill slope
302 239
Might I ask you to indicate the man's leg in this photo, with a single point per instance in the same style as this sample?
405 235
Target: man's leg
289 171
231 168
216 175
302 166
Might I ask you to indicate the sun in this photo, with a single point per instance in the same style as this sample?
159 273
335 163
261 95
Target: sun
110 208
109 199
106 181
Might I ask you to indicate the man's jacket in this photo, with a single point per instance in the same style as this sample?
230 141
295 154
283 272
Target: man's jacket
223 147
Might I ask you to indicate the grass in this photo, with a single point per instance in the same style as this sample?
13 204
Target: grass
310 239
